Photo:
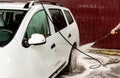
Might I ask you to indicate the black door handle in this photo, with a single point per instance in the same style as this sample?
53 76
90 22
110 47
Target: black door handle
69 35
53 45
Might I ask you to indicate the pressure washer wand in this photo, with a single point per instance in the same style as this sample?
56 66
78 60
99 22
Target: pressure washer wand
109 34
103 37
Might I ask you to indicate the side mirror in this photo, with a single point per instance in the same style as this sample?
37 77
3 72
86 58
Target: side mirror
37 39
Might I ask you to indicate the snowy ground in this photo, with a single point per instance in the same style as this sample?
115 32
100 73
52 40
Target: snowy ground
110 65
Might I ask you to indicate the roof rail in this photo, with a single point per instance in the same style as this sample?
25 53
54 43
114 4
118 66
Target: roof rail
31 3
53 3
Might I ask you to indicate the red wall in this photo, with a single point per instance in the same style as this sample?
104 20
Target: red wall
95 19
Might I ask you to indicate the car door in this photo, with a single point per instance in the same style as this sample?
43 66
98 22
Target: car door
61 32
40 60
72 30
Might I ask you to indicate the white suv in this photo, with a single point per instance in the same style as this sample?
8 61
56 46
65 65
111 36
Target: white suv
32 39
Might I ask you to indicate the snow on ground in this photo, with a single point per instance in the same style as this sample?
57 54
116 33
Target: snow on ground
110 65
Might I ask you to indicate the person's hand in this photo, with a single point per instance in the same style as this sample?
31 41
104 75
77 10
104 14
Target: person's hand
113 31
116 29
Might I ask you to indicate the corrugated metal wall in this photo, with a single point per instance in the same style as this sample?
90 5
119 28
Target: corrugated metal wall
95 19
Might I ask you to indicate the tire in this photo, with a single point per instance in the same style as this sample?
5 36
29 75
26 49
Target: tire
73 66
72 61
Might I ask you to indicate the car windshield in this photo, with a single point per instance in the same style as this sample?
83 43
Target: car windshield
9 24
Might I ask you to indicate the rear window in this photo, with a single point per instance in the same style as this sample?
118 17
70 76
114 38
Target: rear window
69 17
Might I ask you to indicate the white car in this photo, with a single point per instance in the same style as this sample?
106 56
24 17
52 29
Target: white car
32 39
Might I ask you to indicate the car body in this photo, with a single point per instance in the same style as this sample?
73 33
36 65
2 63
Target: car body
31 45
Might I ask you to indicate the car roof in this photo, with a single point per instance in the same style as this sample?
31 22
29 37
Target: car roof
12 5
21 5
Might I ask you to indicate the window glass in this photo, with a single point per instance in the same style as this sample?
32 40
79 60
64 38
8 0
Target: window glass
58 19
69 17
38 24
9 24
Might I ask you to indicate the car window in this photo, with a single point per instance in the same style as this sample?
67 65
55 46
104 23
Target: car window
9 24
58 19
38 24
69 17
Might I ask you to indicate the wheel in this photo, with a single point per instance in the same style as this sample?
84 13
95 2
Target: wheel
72 61
70 65
73 66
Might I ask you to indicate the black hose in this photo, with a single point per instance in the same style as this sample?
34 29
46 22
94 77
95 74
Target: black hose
91 67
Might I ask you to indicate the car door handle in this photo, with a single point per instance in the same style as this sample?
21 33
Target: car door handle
69 35
53 45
